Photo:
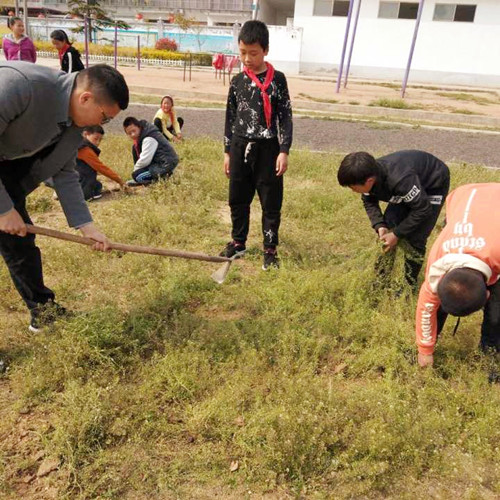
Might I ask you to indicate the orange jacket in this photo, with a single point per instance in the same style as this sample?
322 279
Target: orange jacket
92 160
471 238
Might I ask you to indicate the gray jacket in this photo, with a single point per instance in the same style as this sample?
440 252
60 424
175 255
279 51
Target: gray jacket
34 108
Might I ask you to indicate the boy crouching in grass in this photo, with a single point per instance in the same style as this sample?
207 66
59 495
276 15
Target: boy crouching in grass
258 136
154 157
88 164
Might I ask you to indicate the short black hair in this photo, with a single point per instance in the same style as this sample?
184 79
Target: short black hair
254 32
106 83
61 36
356 168
94 129
130 120
462 291
13 20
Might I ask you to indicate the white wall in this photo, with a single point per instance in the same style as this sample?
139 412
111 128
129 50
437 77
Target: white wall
451 52
285 48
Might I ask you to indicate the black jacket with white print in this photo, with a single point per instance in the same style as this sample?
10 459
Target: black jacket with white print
72 61
245 111
411 177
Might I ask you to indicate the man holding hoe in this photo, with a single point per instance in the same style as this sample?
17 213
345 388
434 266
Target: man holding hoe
42 112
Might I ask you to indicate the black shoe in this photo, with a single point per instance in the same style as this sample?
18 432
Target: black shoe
233 250
270 259
45 315
132 183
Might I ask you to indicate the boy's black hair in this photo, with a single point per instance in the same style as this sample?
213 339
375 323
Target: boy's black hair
254 32
13 20
462 291
356 168
106 83
60 36
94 129
130 120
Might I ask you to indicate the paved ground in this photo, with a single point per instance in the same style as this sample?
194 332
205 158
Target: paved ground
344 137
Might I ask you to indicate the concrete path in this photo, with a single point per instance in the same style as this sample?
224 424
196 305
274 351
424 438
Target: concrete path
346 136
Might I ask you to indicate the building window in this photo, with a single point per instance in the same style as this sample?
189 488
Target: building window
454 12
398 10
331 8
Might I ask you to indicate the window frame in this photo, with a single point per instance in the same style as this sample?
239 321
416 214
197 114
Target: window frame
456 6
398 2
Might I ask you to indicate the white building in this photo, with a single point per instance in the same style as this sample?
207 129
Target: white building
458 40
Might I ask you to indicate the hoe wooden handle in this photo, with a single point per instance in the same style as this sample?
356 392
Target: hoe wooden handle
52 233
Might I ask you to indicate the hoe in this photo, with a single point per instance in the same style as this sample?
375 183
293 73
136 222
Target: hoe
219 276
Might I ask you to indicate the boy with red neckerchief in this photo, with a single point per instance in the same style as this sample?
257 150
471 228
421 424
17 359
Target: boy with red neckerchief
257 140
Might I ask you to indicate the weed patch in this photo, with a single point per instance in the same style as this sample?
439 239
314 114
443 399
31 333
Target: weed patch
304 378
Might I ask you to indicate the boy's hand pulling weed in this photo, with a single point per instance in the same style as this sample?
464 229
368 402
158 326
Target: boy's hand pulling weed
226 164
91 231
281 164
389 240
425 360
12 223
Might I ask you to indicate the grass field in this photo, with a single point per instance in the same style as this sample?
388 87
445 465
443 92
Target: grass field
297 383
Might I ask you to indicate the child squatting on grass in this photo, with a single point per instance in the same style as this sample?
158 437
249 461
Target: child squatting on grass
414 184
463 269
154 157
167 121
258 137
88 164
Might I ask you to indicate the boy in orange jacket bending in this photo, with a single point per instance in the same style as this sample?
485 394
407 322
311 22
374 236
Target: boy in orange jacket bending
88 164
463 269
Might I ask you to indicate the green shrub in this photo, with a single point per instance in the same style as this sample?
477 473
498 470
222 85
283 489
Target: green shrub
200 59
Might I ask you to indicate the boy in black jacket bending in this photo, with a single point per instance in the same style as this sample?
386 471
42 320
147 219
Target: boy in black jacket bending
258 136
413 183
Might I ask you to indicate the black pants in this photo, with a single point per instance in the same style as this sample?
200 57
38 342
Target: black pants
88 181
22 256
252 168
152 173
396 213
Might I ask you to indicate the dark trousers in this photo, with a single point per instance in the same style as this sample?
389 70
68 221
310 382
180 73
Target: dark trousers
396 213
252 168
490 328
22 256
151 173
88 180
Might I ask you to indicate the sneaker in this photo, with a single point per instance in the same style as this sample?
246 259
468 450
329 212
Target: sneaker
97 196
270 259
233 250
45 315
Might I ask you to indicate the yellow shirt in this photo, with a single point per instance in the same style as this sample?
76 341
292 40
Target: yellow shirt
166 122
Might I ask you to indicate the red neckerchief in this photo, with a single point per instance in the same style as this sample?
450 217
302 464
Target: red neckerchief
136 147
171 116
263 87
63 51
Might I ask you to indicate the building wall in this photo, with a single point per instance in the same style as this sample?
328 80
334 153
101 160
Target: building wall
285 45
453 52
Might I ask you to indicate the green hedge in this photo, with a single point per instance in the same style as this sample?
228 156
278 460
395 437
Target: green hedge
200 59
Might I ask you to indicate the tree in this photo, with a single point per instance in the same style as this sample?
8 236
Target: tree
96 15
